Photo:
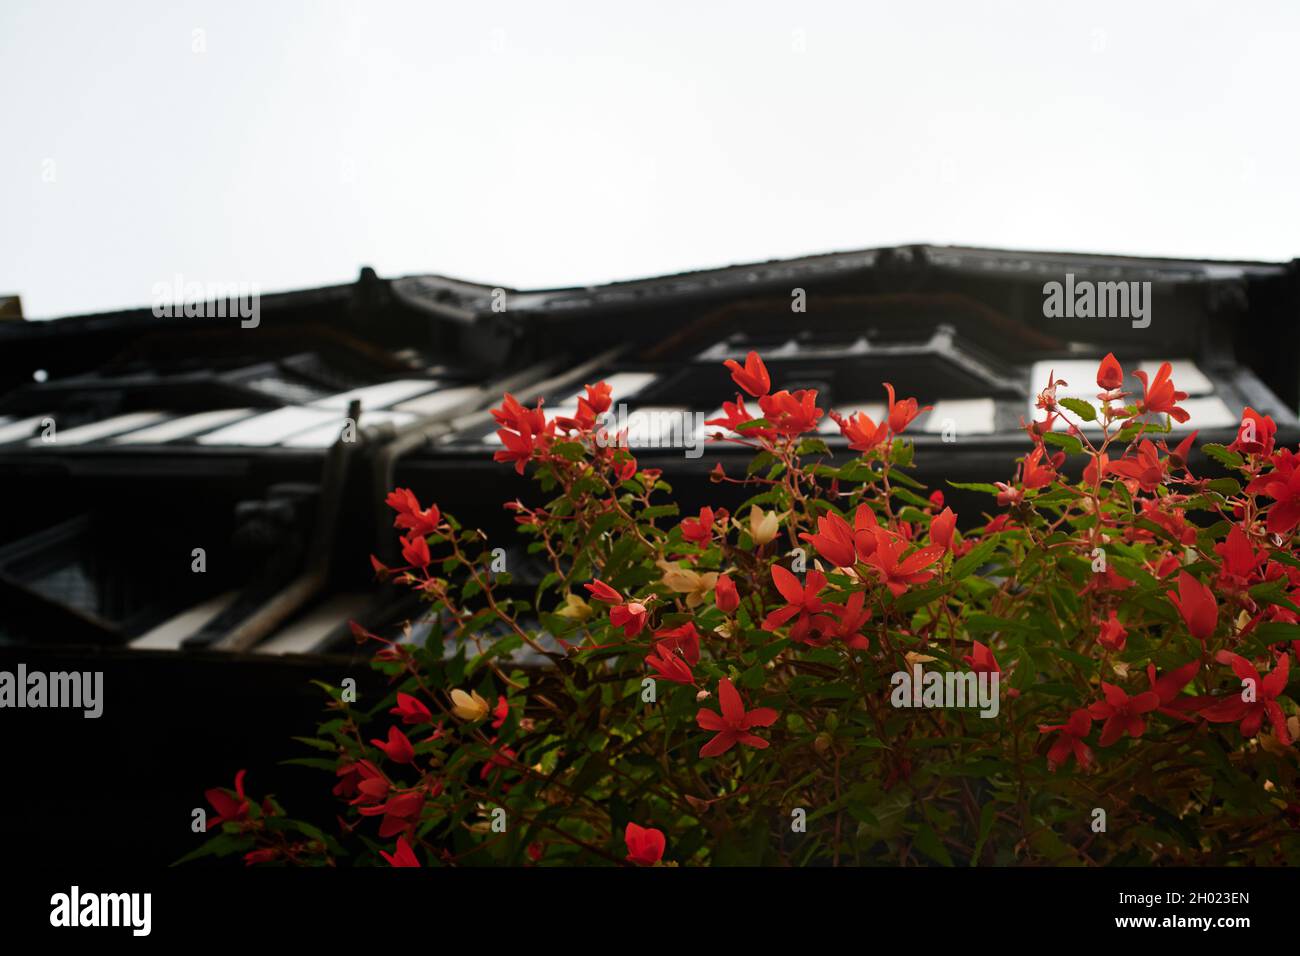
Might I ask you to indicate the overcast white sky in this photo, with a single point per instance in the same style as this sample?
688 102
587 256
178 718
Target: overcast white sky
536 144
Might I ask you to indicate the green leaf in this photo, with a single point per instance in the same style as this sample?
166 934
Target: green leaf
1071 444
988 814
928 842
971 561
911 497
326 745
220 844
1221 454
319 763
902 477
764 459
550 579
1081 408
1274 592
1228 487
573 451
975 486
659 511
1272 632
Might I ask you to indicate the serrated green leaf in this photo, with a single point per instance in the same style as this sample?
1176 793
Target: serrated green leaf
1080 407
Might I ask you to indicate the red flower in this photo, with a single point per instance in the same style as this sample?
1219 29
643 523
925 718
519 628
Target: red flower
518 449
1144 467
1160 396
753 378
1122 713
725 594
599 397
1070 742
362 780
265 855
1195 602
602 592
402 855
515 417
645 845
734 415
1241 562
401 813
409 513
1283 486
1167 565
228 807
412 711
1108 580
901 414
415 550
1096 469
631 617
865 527
500 712
732 726
791 414
834 540
1110 374
699 530
1047 401
683 641
863 434
1174 523
398 746
523 431
675 653
1263 693
1008 495
1035 473
849 618
1178 457
1112 635
592 406
898 575
801 602
1255 434
1000 523
625 470
669 666
1173 703
500 761
981 660
942 528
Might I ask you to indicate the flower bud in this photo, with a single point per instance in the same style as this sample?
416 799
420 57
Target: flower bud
763 525
469 706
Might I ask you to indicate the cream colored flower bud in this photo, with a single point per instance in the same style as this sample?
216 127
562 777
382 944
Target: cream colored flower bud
763 525
681 580
468 706
697 587
575 608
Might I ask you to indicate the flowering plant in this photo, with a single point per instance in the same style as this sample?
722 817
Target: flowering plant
1094 674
